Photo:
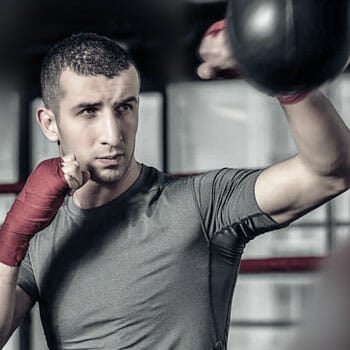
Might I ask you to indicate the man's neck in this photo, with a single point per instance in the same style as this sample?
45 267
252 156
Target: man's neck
94 194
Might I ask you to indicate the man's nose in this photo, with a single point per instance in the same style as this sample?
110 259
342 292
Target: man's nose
110 129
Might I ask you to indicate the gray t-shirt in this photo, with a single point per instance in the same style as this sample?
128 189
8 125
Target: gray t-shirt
153 269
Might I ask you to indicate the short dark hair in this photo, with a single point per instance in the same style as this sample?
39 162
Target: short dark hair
85 54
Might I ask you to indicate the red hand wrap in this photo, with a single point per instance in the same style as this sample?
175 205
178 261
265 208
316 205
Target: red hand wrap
291 99
33 210
216 28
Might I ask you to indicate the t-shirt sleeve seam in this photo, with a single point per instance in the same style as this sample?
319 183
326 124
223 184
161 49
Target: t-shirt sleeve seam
271 226
195 199
27 291
33 293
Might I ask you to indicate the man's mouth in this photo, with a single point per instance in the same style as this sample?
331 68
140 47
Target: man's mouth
110 159
111 156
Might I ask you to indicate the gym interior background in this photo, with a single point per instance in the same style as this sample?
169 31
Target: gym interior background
186 126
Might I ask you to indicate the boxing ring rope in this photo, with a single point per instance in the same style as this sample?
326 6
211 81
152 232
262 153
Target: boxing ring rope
11 188
277 265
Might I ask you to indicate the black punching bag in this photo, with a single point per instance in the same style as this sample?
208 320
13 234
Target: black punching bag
289 46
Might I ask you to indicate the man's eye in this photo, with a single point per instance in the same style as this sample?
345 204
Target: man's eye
88 111
124 107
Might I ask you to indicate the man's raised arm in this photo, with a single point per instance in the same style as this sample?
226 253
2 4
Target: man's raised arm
320 170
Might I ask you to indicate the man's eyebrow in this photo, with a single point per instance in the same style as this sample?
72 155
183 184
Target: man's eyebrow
84 105
133 99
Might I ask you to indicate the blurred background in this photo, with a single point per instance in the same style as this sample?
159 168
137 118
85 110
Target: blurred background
186 126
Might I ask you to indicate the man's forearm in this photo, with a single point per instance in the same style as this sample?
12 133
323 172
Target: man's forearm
8 280
321 136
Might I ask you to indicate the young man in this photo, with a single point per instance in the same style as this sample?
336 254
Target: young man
135 259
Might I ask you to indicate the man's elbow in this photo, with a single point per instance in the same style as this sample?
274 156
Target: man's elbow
339 184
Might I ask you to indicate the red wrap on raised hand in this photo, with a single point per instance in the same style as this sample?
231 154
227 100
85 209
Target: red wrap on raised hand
213 31
216 28
33 210
291 99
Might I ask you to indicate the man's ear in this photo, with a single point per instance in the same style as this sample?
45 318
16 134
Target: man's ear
48 124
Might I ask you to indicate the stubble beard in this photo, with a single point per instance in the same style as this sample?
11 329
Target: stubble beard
111 175
106 176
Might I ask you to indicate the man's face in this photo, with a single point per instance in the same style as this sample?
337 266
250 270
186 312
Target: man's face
98 120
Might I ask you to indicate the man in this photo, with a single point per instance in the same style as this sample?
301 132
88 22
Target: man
135 259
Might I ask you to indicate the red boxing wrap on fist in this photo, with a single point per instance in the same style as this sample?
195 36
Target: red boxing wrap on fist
216 28
291 99
33 210
213 31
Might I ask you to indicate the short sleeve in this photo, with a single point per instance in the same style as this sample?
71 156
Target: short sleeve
26 279
226 199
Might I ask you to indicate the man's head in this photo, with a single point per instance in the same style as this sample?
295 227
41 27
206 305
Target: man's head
91 93
86 54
